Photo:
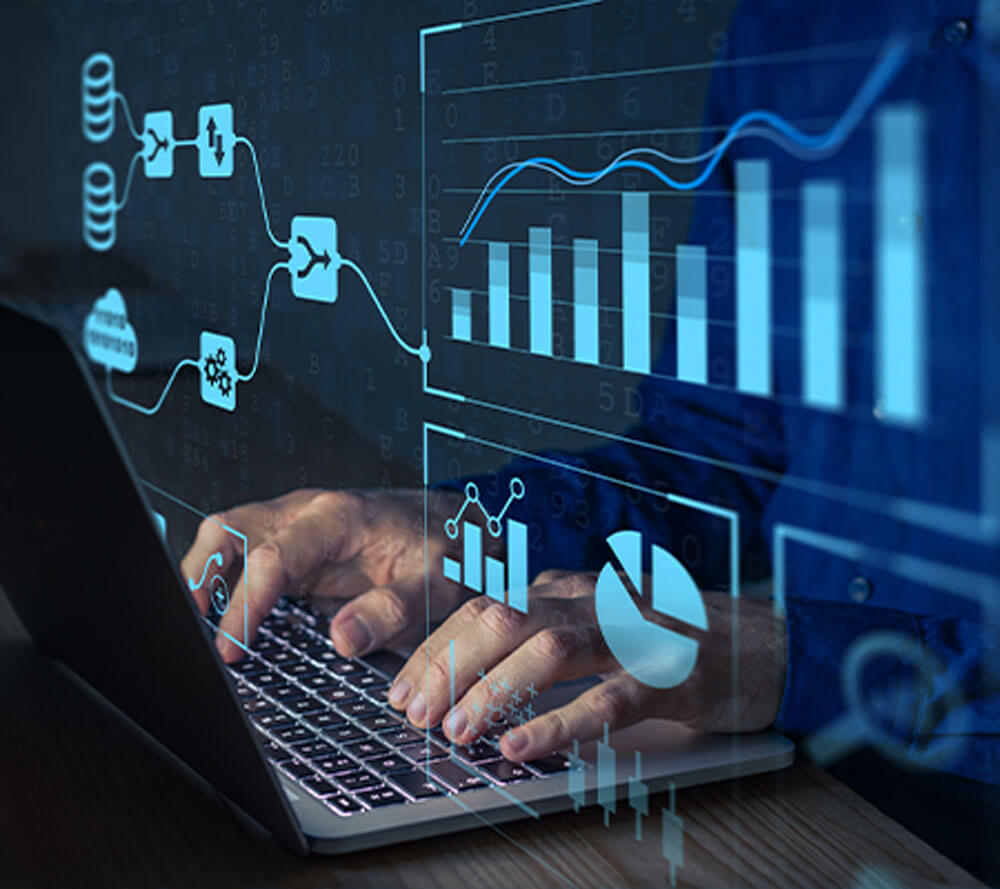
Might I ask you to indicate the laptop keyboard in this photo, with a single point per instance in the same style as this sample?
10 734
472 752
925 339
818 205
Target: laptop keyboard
325 722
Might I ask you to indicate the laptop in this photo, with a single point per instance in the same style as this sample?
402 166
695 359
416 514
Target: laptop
297 740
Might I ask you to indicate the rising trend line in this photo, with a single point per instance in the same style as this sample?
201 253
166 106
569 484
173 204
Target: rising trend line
263 315
140 408
778 129
243 140
422 351
128 116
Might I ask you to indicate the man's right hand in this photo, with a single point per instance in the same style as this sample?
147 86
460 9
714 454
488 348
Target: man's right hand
363 548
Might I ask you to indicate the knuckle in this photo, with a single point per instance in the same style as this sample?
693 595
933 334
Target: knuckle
547 576
555 728
611 704
555 643
502 620
437 674
269 557
328 502
473 609
211 525
396 609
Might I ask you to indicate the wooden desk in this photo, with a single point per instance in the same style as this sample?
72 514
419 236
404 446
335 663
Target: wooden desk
86 803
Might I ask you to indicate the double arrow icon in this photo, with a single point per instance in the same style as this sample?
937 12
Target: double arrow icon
215 140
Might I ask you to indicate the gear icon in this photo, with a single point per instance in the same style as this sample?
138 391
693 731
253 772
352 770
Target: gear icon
212 369
224 383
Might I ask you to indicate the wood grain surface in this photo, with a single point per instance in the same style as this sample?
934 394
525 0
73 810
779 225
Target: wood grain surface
86 803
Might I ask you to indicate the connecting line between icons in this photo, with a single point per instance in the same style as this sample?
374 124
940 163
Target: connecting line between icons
128 116
422 351
263 315
243 140
128 181
140 408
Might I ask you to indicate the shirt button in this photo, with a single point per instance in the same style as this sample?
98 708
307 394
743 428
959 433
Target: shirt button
859 589
957 32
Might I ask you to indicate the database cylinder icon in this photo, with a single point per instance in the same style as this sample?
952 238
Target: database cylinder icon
97 84
99 206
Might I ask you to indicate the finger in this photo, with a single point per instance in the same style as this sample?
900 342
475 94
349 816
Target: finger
507 692
379 616
216 549
277 565
481 634
616 703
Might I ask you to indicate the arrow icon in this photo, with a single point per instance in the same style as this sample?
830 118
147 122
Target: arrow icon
158 143
314 257
219 153
211 132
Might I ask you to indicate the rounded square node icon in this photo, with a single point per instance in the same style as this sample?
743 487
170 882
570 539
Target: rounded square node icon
217 366
315 260
216 141
158 144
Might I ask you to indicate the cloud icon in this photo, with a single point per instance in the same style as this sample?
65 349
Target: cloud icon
108 337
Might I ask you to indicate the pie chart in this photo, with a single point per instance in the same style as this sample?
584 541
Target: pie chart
655 655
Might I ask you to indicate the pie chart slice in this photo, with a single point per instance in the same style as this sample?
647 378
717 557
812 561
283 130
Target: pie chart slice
657 656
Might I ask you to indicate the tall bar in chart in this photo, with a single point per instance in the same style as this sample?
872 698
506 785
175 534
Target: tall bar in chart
692 315
899 292
585 318
504 582
753 277
540 289
461 314
823 295
635 282
499 294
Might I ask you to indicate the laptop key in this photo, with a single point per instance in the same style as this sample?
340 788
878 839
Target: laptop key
273 720
367 748
399 734
321 786
305 705
297 769
325 719
359 779
357 708
549 765
336 764
381 796
505 771
377 722
386 765
416 784
292 733
314 749
345 733
343 804
455 776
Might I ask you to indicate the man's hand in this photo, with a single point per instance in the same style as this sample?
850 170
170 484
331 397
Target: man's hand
559 639
365 549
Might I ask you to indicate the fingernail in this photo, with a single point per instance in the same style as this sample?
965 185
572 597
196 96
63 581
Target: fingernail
417 710
351 637
456 723
517 740
397 694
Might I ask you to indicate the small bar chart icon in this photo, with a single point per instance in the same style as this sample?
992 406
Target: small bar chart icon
504 582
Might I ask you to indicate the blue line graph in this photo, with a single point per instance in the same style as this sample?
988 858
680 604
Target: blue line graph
886 68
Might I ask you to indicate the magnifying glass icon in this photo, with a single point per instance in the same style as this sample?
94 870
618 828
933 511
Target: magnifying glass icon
859 725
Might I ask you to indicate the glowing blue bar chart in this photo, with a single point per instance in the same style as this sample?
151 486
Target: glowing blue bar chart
540 289
585 317
504 583
899 297
499 294
753 277
692 315
635 282
823 295
461 314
